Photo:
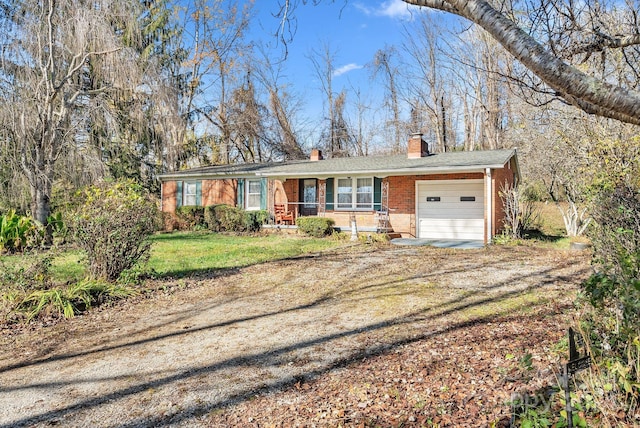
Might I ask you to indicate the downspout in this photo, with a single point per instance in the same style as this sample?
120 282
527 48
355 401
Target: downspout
161 195
489 198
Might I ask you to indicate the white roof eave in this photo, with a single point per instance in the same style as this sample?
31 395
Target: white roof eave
381 173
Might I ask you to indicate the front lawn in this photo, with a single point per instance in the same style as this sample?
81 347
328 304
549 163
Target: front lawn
48 282
186 253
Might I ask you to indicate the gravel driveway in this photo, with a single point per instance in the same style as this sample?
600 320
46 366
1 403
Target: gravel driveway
199 345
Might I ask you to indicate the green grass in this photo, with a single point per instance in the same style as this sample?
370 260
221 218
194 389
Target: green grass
184 253
62 288
68 266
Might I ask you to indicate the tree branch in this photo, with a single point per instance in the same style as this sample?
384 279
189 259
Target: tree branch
612 101
605 42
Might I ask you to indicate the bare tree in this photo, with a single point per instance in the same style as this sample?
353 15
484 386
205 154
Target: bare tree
248 119
47 48
428 87
283 110
556 156
591 94
383 66
322 62
213 46
570 31
484 94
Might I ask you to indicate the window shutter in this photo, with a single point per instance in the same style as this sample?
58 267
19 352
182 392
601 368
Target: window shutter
263 194
329 194
240 193
179 194
377 193
199 193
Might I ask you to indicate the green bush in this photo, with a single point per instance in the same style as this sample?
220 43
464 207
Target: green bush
223 218
191 216
612 316
616 243
112 224
58 227
253 220
19 232
171 222
315 226
226 218
211 213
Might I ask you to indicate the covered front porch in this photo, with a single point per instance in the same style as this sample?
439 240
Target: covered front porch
293 198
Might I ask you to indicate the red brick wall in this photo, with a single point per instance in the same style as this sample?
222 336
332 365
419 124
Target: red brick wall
213 192
402 189
499 177
219 192
169 189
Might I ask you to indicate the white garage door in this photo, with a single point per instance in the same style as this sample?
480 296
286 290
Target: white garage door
451 209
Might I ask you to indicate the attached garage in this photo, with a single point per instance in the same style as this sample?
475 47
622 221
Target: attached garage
450 209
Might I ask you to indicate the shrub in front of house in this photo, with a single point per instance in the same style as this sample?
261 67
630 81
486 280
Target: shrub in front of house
191 217
226 218
315 226
253 220
171 222
111 224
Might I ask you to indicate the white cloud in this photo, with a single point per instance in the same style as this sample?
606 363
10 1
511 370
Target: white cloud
346 68
394 9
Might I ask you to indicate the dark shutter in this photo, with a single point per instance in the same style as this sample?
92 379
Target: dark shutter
179 194
198 193
329 194
240 193
377 193
263 193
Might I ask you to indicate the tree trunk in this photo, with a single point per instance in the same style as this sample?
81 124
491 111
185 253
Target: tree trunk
40 203
588 93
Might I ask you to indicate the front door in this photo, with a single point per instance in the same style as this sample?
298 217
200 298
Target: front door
309 196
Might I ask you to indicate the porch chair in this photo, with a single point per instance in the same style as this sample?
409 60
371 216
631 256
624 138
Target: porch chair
282 215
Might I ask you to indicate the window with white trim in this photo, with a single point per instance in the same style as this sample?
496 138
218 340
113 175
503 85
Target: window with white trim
189 193
253 194
354 193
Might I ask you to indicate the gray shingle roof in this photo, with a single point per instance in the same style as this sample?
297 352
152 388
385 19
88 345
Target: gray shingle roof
379 165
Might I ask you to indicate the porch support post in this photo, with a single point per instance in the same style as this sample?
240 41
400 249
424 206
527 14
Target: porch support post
489 203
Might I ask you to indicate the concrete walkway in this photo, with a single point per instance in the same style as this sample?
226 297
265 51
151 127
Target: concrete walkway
444 243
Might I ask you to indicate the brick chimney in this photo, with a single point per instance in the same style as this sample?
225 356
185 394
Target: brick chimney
316 155
417 147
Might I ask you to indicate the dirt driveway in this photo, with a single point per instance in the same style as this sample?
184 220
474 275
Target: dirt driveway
260 345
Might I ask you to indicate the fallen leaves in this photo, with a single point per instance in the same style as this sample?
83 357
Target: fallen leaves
463 378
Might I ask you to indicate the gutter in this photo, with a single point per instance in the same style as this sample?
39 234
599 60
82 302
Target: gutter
380 173
202 176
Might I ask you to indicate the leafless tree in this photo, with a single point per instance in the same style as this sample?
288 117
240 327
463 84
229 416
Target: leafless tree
562 35
485 96
48 47
336 133
248 122
429 90
215 46
383 66
283 110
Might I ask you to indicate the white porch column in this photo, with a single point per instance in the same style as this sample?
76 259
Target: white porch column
488 198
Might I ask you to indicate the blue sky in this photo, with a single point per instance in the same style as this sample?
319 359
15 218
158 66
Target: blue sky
354 30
